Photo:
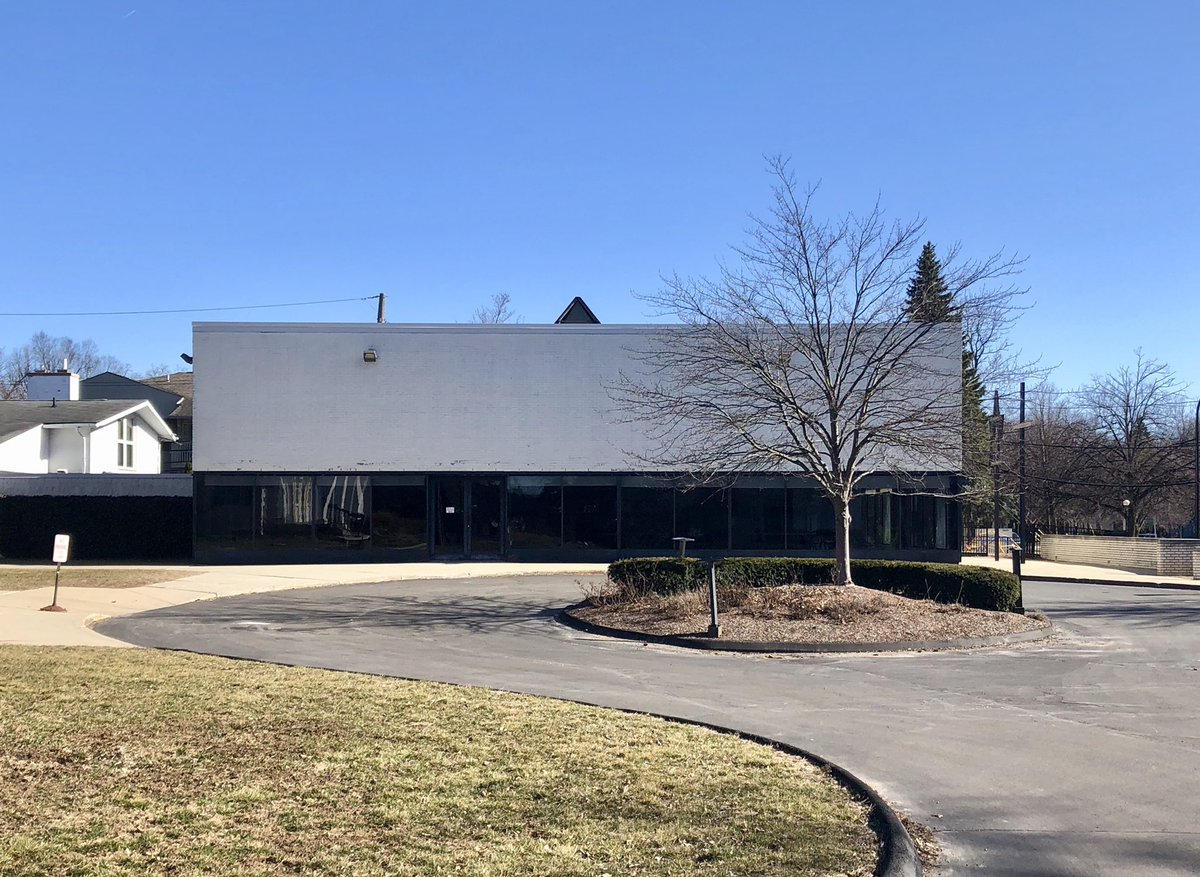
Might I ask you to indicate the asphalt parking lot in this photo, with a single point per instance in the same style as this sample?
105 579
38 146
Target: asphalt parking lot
1079 755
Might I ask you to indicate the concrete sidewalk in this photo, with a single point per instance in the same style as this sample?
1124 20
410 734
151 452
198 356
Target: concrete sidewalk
1053 571
22 622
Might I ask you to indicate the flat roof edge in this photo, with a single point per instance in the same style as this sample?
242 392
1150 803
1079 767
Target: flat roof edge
434 328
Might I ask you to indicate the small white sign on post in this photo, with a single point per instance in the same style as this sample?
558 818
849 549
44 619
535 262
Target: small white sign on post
62 545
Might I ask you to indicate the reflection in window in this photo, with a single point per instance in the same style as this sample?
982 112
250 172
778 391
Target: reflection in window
875 520
757 518
809 520
487 496
647 517
534 512
702 514
925 521
589 516
343 511
224 512
285 511
398 513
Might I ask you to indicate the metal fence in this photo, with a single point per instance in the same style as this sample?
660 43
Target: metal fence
981 541
178 457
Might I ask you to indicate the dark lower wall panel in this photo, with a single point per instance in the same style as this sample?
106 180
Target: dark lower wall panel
101 527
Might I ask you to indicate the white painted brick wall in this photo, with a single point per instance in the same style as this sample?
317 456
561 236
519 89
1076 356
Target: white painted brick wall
298 397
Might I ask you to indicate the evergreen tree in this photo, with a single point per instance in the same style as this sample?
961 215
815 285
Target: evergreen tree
931 301
929 298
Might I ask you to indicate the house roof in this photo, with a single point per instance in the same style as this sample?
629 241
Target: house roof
17 417
171 395
577 312
179 383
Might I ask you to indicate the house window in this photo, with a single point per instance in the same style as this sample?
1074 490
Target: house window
125 443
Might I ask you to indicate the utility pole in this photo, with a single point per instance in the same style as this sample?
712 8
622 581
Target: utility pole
996 428
1021 479
1196 508
379 315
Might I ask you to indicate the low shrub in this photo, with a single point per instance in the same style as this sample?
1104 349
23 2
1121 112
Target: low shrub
973 586
769 572
638 577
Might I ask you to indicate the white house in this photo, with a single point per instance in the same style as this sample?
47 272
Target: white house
53 431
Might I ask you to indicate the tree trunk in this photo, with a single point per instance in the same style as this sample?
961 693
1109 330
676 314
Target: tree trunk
841 542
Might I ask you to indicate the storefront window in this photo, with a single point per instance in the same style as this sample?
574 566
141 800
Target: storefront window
647 515
398 513
875 521
343 518
702 513
224 512
809 520
285 512
534 512
758 518
589 513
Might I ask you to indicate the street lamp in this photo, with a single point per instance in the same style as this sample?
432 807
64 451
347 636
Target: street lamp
1196 507
1125 504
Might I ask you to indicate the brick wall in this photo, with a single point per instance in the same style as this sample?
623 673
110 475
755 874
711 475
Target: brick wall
1169 557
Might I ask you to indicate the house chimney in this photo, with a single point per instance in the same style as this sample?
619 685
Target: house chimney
49 386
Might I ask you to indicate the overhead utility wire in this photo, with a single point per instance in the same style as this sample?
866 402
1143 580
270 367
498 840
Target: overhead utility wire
290 304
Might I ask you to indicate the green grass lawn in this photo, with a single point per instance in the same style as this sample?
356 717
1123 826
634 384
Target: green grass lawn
28 578
123 762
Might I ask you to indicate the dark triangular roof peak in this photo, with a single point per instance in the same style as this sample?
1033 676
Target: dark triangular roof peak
577 312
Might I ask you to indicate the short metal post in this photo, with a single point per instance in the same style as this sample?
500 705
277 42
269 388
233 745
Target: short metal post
714 626
1016 562
54 607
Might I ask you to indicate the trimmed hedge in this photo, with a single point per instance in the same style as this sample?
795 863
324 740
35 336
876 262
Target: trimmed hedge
658 575
974 586
101 527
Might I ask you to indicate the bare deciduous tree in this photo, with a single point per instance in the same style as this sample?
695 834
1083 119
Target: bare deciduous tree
1135 417
498 310
1124 436
47 353
802 358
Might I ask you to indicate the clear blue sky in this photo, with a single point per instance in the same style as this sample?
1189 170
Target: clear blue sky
160 155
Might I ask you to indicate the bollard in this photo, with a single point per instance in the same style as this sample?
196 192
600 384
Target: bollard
1016 561
714 627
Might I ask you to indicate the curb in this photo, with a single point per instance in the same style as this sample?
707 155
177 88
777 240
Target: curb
1124 583
897 854
722 645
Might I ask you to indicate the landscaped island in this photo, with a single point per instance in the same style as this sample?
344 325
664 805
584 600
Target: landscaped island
789 600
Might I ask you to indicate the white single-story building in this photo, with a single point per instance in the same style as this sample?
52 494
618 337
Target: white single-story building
387 441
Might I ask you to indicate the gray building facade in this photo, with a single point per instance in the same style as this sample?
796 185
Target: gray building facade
393 442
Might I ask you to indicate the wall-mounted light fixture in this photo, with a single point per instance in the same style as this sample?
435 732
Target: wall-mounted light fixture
370 355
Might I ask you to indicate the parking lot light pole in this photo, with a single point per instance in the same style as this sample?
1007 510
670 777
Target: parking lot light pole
1196 507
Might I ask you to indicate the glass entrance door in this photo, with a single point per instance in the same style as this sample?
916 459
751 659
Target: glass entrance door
485 527
449 517
468 517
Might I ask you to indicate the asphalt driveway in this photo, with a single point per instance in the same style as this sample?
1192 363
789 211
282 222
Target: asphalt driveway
1079 755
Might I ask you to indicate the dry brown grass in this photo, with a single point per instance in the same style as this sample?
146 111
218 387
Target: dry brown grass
28 578
116 762
806 613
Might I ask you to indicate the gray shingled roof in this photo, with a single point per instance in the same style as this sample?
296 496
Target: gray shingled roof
176 382
19 417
